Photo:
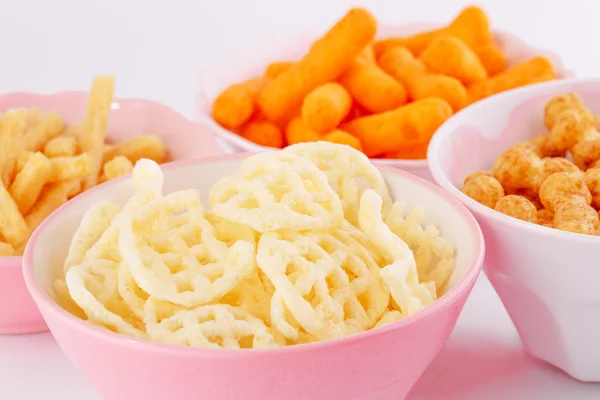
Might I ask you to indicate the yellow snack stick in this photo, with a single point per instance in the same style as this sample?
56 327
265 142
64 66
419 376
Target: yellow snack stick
236 104
340 137
69 168
53 196
30 181
12 225
12 126
38 135
61 146
6 250
116 168
326 60
144 146
22 159
275 69
325 107
450 56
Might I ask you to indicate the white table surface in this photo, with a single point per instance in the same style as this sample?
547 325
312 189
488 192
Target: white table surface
158 50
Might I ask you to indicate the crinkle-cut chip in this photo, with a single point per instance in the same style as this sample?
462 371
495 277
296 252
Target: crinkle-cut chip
188 276
148 182
274 191
251 296
327 281
93 287
156 310
348 171
93 224
388 318
434 254
230 231
63 299
400 276
214 326
130 292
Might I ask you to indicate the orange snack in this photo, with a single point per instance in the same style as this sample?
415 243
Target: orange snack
529 194
325 107
492 58
570 127
390 131
409 152
372 88
587 151
576 216
297 132
545 218
401 64
326 60
341 137
476 174
484 189
542 145
264 133
556 105
553 165
368 55
275 69
518 168
450 56
535 70
236 104
517 207
415 43
563 185
592 181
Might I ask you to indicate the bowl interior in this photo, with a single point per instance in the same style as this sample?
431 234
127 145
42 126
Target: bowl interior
51 241
487 128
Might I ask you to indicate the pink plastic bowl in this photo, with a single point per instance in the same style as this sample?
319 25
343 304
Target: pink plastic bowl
129 117
547 279
375 365
252 64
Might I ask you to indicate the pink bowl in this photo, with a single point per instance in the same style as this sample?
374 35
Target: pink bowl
248 65
547 279
129 118
376 365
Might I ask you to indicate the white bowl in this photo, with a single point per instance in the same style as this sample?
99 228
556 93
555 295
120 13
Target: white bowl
250 64
547 279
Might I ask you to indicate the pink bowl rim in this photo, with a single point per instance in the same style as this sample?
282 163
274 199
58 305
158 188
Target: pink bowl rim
43 300
516 96
16 261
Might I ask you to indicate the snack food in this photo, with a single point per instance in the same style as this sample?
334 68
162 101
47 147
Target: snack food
350 83
536 182
44 163
298 246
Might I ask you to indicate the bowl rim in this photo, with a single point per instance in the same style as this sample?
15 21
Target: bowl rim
514 96
51 307
16 261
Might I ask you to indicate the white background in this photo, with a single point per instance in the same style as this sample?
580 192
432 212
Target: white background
159 49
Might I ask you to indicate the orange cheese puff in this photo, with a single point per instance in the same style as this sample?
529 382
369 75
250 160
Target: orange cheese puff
517 207
556 105
415 43
518 168
297 132
341 137
542 145
372 88
535 70
592 181
402 65
561 185
448 55
325 107
576 216
410 124
472 26
275 69
492 58
368 54
484 189
545 218
264 133
325 61
356 111
236 104
409 152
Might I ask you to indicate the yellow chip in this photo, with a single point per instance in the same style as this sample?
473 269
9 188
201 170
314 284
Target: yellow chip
144 146
71 168
61 146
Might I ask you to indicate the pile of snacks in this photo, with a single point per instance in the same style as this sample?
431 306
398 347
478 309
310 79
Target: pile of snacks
43 163
299 245
383 97
536 182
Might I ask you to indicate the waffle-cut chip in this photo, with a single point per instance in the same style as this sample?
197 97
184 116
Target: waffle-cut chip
274 191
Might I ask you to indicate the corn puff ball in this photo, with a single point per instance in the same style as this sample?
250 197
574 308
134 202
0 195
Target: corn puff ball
570 127
587 151
492 58
545 218
517 207
326 60
562 185
325 107
450 56
592 181
553 165
535 70
409 152
476 174
576 216
372 88
275 69
556 105
264 133
341 137
542 145
518 168
410 124
484 189
297 132
236 104
528 193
